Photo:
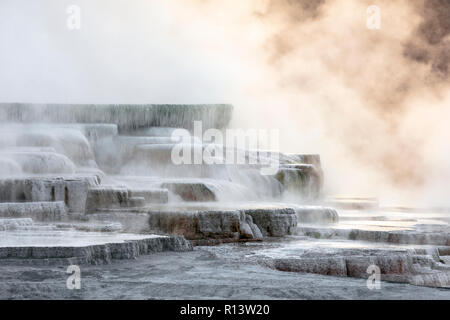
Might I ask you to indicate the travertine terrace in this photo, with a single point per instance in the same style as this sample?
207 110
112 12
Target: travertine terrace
91 184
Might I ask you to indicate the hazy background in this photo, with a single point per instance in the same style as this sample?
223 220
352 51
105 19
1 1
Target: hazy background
374 103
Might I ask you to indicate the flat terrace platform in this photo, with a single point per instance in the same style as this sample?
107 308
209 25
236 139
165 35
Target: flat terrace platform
23 241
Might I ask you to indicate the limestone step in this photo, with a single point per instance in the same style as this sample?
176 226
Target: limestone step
126 248
38 211
71 189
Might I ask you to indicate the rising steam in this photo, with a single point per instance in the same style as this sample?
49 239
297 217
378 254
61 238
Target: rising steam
373 103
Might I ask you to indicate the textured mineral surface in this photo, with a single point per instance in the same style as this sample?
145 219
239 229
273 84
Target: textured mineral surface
92 185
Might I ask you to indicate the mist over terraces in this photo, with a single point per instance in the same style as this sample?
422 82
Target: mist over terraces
90 184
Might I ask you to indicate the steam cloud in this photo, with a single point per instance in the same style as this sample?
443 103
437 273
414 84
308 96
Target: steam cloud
373 103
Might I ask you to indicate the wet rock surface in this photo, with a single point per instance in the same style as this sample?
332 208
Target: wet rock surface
274 222
430 236
406 246
303 178
24 241
198 223
401 264
71 189
175 275
39 211
93 254
107 197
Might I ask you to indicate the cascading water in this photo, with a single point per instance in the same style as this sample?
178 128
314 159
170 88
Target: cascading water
126 116
68 140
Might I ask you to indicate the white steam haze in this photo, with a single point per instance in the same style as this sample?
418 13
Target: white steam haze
373 103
